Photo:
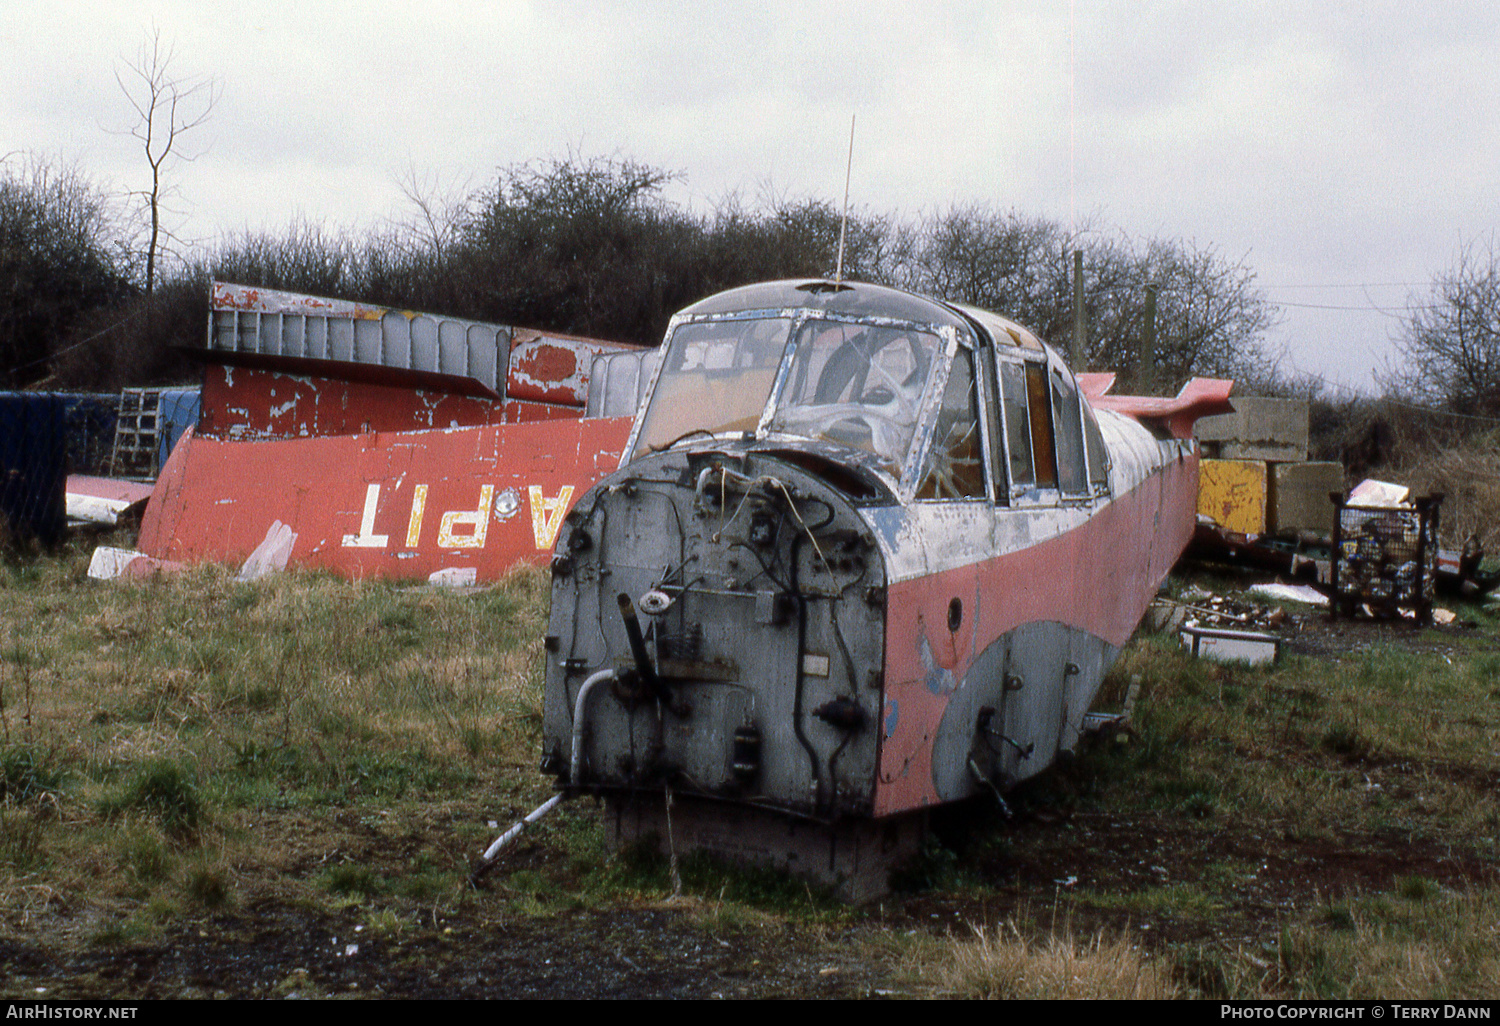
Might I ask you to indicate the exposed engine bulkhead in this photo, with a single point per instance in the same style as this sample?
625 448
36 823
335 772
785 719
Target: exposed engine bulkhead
738 600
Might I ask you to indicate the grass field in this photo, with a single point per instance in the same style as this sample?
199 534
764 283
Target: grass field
195 760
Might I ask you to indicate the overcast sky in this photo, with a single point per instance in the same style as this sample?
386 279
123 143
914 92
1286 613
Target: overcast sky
1343 150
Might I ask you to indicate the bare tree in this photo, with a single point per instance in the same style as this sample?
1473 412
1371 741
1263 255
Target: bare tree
1450 346
166 108
1211 319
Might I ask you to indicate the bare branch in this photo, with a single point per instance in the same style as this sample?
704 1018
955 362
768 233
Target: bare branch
166 109
440 211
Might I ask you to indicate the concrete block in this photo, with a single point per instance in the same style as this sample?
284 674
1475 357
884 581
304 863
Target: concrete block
1299 497
1258 429
1232 493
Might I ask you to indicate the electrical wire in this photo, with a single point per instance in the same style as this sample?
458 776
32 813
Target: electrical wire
81 342
1431 410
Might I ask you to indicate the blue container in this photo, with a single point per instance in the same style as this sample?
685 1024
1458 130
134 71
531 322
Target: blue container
179 411
33 466
90 422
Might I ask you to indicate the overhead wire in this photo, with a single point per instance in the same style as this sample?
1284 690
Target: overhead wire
1353 392
81 342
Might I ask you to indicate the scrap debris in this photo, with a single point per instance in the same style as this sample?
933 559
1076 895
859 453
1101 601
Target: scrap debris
1251 626
1201 608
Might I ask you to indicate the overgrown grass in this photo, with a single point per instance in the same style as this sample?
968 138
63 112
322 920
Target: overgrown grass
146 727
1417 943
1397 739
1299 741
1005 962
152 729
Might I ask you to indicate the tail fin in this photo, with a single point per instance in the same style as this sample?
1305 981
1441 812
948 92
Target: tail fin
1200 397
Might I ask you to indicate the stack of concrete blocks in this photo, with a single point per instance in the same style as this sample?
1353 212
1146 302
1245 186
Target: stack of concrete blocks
1255 478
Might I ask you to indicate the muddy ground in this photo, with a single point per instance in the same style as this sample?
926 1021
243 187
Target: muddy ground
268 947
269 942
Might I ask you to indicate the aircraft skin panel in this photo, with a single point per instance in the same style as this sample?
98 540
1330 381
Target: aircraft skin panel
371 441
766 635
1128 547
249 404
397 504
871 553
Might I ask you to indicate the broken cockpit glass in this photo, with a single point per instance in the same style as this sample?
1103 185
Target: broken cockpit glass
715 379
854 384
858 385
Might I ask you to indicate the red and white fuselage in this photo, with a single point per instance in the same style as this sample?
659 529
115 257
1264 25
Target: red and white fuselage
866 553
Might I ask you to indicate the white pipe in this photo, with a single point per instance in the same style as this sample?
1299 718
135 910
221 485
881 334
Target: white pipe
515 831
550 803
583 694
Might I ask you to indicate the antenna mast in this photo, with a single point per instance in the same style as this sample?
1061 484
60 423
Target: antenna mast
838 274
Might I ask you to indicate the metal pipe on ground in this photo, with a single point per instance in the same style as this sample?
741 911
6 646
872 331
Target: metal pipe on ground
492 853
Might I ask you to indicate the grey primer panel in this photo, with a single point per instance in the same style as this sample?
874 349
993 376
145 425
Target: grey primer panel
444 345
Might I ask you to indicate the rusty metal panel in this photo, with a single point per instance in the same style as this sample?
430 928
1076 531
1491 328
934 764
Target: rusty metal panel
521 363
255 403
553 368
1233 494
377 441
227 297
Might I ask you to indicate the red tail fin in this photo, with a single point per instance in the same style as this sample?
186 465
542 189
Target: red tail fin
1200 397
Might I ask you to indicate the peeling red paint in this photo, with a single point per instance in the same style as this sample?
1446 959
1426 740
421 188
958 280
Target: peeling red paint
226 296
547 363
387 464
248 404
1025 587
553 368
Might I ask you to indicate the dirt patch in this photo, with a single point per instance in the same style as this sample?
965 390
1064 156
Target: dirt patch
272 950
1159 877
280 953
1319 635
1094 864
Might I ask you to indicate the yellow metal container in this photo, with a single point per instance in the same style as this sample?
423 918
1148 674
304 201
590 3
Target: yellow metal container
1232 493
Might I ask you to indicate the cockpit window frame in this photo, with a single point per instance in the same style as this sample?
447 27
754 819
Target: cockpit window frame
937 379
978 394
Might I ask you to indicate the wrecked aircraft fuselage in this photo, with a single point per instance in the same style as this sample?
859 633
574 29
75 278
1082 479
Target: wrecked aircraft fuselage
867 553
378 443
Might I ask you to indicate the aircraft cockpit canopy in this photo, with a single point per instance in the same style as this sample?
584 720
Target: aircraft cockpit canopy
857 384
950 402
